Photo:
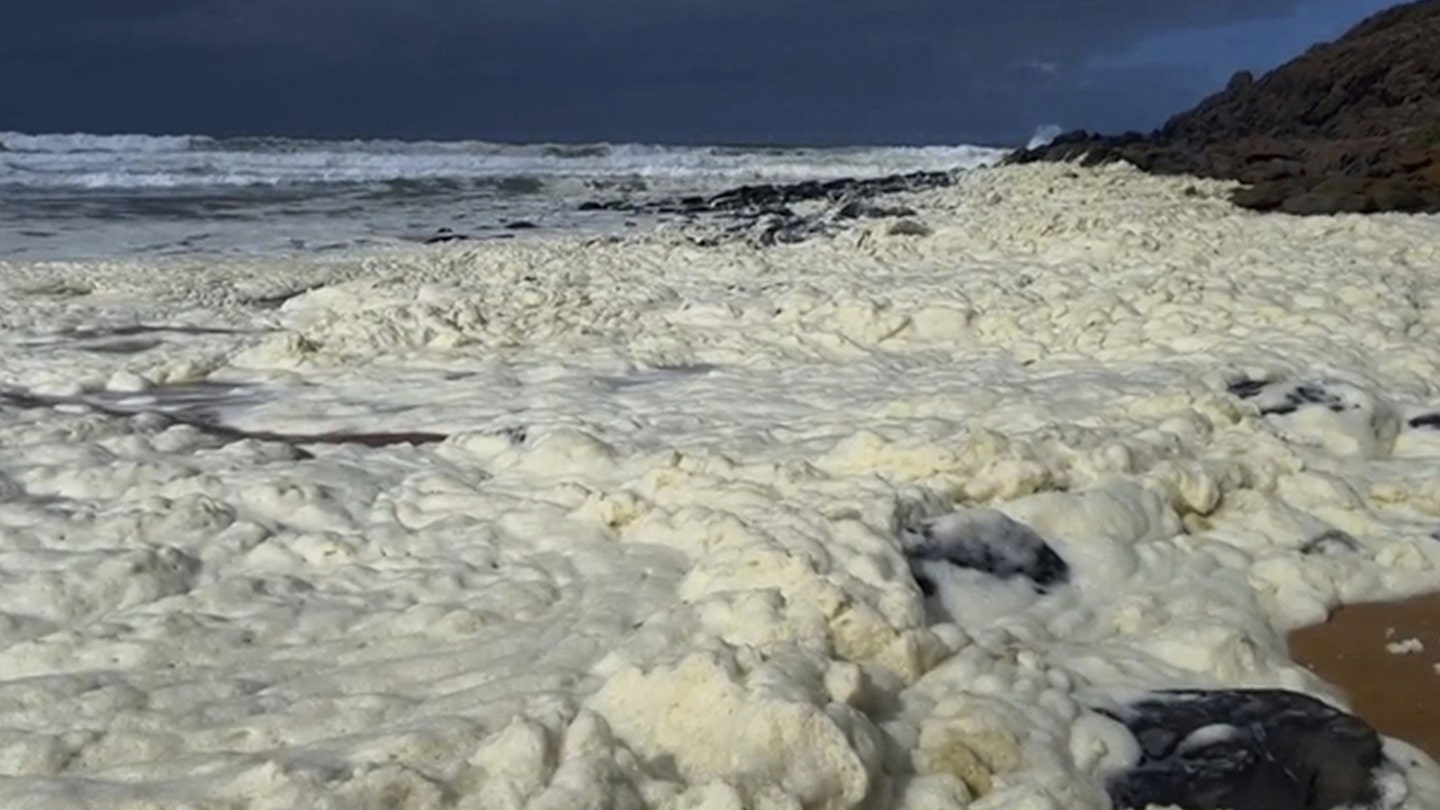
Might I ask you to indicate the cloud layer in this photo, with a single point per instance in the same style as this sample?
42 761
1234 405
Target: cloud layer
740 70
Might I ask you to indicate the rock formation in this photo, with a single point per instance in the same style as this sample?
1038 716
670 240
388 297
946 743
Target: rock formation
1246 749
761 214
1349 126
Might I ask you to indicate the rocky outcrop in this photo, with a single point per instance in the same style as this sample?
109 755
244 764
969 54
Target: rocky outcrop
1246 749
761 214
1348 126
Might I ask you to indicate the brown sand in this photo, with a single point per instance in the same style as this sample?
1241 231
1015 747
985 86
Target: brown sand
1396 692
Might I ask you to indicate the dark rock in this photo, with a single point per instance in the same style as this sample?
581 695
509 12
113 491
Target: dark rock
445 235
1429 420
1397 194
1262 197
988 541
1268 167
1240 82
1364 108
1276 399
517 434
1262 749
862 209
1245 388
521 225
1307 203
757 205
908 227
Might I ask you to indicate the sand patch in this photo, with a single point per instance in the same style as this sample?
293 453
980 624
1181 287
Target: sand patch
1386 656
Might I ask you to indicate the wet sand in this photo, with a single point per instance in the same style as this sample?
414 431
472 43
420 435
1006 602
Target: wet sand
1396 688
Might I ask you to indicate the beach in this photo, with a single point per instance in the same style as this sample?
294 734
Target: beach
646 544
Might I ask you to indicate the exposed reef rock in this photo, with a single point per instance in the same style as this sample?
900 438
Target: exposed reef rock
762 214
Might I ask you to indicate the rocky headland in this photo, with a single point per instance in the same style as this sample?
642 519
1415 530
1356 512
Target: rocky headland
1348 126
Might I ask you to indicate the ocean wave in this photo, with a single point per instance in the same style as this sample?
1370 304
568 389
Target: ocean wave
1045 135
80 162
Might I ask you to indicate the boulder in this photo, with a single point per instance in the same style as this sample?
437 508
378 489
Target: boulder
1246 749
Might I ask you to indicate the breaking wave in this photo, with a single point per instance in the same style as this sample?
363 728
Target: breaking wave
83 162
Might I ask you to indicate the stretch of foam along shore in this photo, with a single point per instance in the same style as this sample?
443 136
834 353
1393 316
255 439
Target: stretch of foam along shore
652 556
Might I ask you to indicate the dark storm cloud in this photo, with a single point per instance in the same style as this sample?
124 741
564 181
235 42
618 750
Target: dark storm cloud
739 70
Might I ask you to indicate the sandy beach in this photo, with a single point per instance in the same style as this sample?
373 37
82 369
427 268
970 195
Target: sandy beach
633 532
1385 658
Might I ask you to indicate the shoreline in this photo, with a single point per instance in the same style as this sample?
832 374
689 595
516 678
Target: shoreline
673 482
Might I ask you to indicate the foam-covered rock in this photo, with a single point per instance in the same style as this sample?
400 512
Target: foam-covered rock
1263 749
987 541
1344 419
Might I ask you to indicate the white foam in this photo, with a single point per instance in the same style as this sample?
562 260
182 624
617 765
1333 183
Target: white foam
690 591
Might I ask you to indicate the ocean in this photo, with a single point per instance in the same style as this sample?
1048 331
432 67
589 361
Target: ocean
76 196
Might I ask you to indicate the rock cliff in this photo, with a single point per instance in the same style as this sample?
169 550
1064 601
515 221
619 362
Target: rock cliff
1348 126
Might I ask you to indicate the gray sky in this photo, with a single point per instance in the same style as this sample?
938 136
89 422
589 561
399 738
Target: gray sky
679 71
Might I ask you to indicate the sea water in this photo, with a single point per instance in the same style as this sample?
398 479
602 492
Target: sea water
91 196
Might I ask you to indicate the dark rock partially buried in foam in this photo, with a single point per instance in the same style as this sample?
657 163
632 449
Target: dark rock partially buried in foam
201 406
1246 388
1275 398
1331 543
1260 749
760 214
864 209
1428 420
1343 418
987 541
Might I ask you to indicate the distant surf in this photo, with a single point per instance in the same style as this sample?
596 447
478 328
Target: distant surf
80 195
81 161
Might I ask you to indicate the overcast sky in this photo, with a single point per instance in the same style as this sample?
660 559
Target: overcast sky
677 71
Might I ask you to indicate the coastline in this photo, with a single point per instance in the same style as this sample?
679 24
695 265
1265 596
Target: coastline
656 558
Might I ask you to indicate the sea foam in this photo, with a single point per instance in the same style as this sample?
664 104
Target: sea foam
660 560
